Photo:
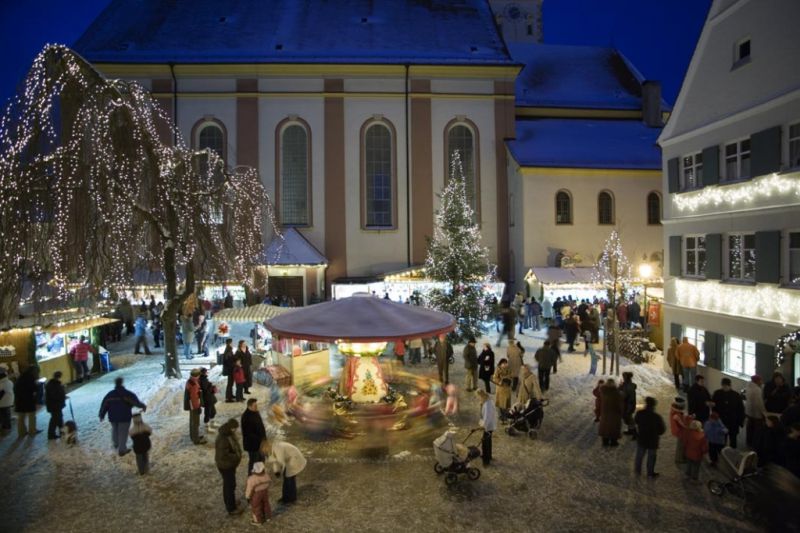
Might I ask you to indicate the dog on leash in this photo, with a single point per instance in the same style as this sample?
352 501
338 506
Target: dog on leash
70 433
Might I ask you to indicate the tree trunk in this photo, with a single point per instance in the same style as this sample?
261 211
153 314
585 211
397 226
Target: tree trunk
175 301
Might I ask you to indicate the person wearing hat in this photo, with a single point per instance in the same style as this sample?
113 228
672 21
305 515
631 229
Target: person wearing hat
6 401
140 435
716 433
471 365
257 494
649 426
192 403
227 456
489 424
730 406
695 447
678 422
755 411
55 400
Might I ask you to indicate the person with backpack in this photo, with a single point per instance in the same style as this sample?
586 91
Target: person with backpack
55 399
192 402
118 404
140 435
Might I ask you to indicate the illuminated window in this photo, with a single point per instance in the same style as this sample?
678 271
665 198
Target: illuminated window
563 208
692 175
698 338
742 256
740 357
694 261
737 160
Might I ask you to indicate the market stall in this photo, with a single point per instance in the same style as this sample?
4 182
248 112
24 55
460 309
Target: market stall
54 342
294 269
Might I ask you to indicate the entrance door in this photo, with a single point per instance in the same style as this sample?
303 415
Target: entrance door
289 286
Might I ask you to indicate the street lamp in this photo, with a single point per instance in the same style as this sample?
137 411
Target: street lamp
645 273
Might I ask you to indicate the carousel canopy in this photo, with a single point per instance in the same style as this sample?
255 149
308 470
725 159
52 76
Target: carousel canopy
254 313
361 318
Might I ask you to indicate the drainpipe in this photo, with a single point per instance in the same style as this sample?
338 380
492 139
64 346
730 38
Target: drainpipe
174 105
408 179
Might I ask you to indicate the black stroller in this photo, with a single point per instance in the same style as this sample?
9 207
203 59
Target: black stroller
526 419
453 458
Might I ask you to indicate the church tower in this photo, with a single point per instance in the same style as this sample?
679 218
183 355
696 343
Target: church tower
519 21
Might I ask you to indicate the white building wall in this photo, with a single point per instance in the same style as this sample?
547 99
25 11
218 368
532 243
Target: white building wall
191 110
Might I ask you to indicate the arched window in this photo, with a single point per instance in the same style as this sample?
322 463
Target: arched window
378 175
211 135
563 208
654 208
462 135
605 208
294 185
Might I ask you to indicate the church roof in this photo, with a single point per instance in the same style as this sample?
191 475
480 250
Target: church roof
584 143
588 77
293 249
295 31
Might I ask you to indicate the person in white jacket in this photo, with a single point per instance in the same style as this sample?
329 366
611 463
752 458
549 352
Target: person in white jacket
6 401
287 461
755 410
489 425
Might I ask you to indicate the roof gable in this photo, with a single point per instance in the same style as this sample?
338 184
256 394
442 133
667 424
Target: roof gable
293 249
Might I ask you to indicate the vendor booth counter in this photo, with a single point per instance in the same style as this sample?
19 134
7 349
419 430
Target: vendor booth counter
54 343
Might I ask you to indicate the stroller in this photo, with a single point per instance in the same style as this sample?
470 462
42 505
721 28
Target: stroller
526 419
740 468
453 458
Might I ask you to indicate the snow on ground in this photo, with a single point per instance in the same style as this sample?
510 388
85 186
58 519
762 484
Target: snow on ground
564 481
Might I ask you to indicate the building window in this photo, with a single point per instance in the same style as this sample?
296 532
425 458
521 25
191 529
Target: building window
605 208
563 208
740 357
692 175
461 135
211 136
294 175
378 161
794 258
737 160
794 145
742 257
698 338
653 209
695 256
741 52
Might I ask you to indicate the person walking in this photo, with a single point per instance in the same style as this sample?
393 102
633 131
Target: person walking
716 433
628 391
443 351
256 493
502 380
554 336
695 447
287 462
227 456
187 335
25 392
504 315
157 330
488 422
253 433
415 351
470 355
611 409
192 402
730 406
486 366
593 357
243 354
755 411
514 353
699 400
55 399
118 404
544 357
208 395
673 362
688 356
649 427
571 328
201 334
228 362
80 358
536 314
547 311
528 387
777 394
140 329
140 435
6 401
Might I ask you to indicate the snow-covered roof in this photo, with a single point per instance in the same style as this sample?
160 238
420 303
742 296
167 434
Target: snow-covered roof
584 143
295 31
293 249
559 276
589 77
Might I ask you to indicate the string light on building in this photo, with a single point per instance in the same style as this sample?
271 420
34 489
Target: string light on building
737 194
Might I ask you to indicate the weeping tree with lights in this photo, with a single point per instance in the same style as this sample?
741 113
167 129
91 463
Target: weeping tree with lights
91 193
614 271
457 257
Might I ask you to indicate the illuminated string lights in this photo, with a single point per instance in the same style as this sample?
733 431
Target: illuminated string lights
737 194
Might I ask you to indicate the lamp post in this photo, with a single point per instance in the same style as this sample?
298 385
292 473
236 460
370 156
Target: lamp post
645 273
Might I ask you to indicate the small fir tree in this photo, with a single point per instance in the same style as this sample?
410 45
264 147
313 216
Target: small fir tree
613 269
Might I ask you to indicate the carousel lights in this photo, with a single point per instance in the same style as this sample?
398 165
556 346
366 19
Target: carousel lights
361 348
768 186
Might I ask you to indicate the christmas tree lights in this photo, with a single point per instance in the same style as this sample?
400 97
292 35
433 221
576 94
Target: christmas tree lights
613 270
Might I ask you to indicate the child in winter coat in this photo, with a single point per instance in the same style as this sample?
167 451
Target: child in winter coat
140 434
716 433
678 422
695 446
239 378
256 494
596 394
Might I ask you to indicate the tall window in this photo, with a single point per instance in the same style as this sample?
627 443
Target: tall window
695 256
294 187
653 208
740 357
211 136
605 208
794 258
698 338
737 160
563 208
378 175
742 256
692 171
794 145
461 137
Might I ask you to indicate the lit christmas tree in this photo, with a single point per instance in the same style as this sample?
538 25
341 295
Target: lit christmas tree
613 270
457 257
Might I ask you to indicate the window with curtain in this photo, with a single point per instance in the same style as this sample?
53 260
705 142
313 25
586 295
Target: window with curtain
605 208
211 136
653 208
294 176
378 176
461 138
563 208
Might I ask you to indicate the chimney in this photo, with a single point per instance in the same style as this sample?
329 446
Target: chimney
651 103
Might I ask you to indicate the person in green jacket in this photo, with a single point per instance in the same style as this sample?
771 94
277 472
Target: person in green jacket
227 456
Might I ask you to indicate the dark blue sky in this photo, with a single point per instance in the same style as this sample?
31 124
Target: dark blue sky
658 36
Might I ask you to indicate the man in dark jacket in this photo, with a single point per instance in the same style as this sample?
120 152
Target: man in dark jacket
628 391
650 426
253 433
471 365
699 400
25 391
227 456
730 406
228 362
55 399
544 357
118 404
444 351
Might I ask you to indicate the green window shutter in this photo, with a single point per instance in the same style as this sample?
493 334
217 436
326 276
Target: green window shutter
673 172
765 360
676 330
768 256
714 256
675 259
713 350
765 151
711 165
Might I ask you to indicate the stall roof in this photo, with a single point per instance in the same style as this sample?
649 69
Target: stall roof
559 276
293 249
254 313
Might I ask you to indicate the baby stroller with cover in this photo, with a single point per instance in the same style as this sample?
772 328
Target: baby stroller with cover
740 468
526 419
453 458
